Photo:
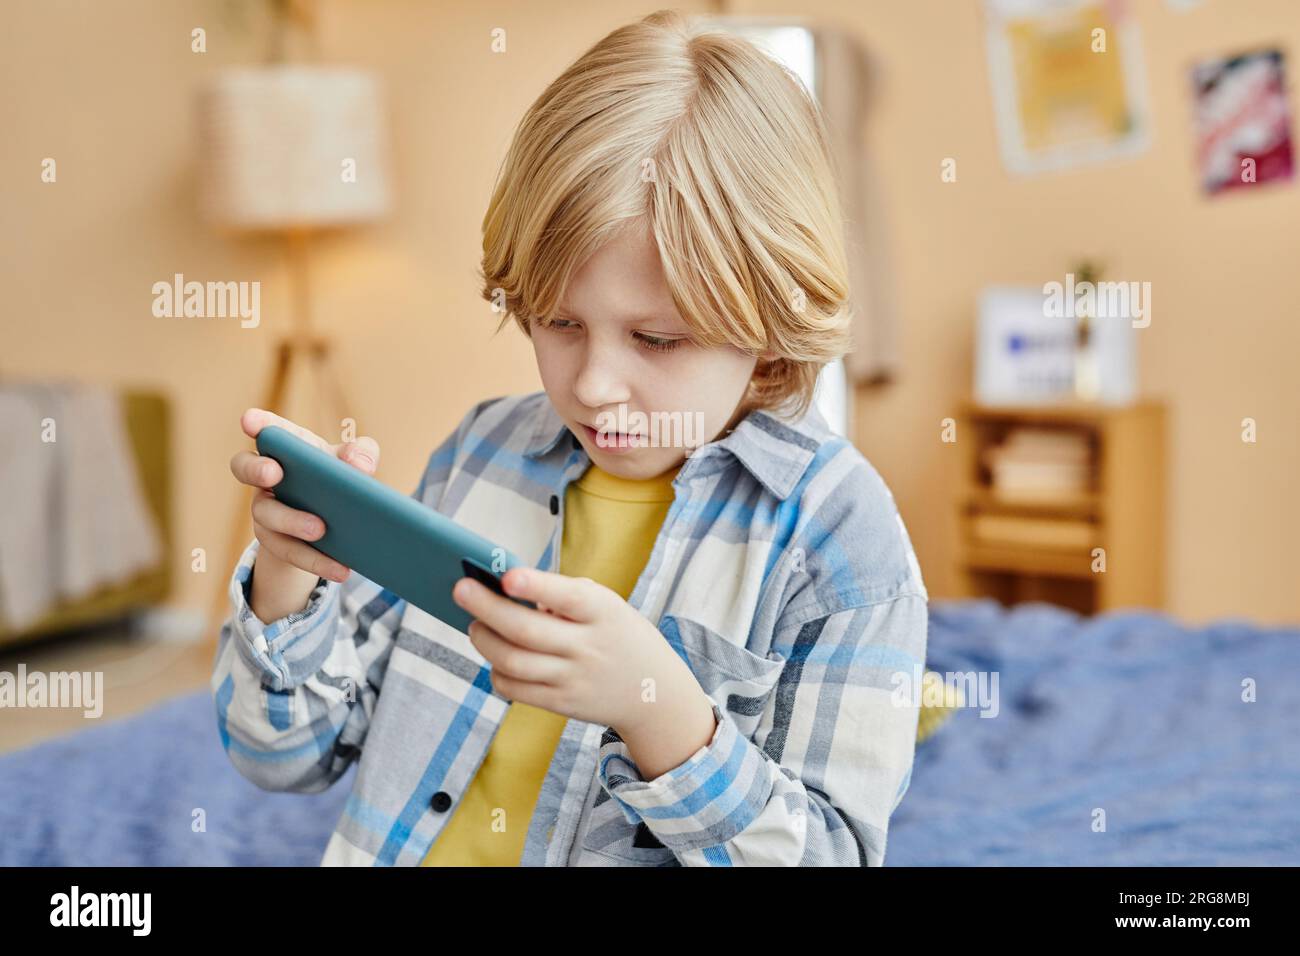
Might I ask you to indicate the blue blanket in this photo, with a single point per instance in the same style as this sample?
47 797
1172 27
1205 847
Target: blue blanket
1130 713
156 789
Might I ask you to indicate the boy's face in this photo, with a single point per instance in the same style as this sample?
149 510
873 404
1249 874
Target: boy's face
618 340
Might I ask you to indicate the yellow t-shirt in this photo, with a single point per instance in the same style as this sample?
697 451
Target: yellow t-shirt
610 526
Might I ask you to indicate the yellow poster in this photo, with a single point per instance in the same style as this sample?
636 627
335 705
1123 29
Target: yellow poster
1066 82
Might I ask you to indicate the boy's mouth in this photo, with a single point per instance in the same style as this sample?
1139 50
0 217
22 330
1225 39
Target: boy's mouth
613 441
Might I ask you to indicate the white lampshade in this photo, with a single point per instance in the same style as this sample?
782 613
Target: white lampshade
292 146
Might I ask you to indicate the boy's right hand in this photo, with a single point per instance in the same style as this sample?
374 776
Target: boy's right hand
283 531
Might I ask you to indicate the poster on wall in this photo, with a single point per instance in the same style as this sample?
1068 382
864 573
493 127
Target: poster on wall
1243 125
1025 354
1068 82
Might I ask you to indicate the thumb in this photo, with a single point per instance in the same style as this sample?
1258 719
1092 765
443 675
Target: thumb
362 454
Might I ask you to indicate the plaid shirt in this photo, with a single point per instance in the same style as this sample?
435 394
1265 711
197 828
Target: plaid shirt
782 575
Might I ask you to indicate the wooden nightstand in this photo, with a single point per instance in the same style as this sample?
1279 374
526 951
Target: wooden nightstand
1098 545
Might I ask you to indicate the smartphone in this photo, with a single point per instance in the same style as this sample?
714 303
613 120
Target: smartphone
392 539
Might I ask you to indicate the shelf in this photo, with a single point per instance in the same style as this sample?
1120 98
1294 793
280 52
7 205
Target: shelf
1086 505
1042 548
1063 413
1037 561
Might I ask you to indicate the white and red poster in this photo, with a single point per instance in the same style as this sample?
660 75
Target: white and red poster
1243 124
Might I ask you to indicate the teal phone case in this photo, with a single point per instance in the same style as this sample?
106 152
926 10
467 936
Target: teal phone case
390 538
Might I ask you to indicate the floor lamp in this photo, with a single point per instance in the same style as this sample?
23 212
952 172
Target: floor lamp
289 151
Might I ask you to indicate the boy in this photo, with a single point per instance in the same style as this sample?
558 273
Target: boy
711 676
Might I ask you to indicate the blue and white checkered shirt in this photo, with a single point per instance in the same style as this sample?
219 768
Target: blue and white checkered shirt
782 575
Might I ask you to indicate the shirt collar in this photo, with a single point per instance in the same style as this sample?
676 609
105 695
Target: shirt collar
775 452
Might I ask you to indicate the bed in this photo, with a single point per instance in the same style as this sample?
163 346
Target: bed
1131 713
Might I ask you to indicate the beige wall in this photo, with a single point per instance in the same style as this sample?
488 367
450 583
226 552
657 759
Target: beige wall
1223 341
107 90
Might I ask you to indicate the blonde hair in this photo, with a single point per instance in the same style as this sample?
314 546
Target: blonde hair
722 153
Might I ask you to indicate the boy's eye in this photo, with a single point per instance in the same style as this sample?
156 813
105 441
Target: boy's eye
656 344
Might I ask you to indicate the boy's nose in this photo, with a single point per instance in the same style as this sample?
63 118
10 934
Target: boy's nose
599 385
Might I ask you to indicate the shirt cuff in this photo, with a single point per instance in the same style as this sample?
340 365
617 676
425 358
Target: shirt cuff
703 801
291 649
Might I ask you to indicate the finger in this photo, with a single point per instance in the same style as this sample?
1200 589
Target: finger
578 599
514 661
277 516
525 626
542 696
300 554
255 419
362 453
550 697
256 470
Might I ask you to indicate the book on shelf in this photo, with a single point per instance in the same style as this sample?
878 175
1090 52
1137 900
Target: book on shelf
1040 464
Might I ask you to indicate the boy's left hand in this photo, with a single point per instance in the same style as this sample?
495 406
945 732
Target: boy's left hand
585 653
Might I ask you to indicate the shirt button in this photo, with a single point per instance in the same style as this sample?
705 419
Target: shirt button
441 801
555 505
346 751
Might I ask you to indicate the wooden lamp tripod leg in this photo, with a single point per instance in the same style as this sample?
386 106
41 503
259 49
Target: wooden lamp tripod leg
318 352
